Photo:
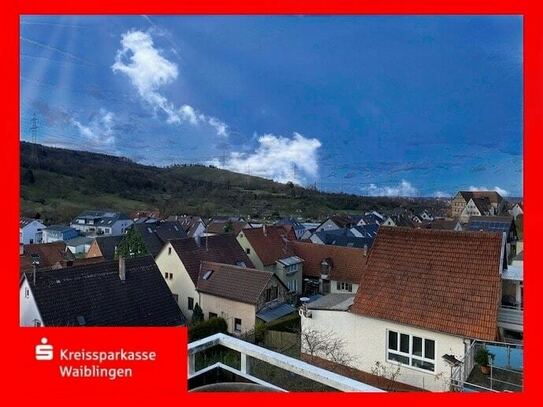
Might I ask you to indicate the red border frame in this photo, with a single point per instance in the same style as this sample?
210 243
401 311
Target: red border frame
533 143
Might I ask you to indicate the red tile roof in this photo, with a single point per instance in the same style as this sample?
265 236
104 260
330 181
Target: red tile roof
347 262
235 283
50 255
271 243
493 196
438 280
218 227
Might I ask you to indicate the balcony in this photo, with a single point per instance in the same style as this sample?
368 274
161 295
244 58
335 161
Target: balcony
506 369
511 318
243 377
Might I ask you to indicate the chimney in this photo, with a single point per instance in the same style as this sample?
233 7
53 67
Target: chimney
365 250
122 268
264 230
21 249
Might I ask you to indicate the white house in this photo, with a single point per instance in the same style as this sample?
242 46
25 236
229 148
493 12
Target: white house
102 223
179 262
518 209
30 231
424 296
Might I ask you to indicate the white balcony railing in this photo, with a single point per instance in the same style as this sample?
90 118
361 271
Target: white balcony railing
248 350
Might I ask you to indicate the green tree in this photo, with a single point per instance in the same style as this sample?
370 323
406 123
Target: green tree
229 227
197 315
132 245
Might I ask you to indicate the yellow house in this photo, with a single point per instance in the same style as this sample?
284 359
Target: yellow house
179 262
270 249
240 295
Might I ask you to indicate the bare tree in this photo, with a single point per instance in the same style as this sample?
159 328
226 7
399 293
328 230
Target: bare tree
326 345
387 375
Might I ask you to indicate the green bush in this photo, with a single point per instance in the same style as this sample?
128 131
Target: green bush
483 356
197 315
207 328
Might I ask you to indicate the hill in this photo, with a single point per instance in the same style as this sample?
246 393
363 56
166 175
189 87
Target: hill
59 183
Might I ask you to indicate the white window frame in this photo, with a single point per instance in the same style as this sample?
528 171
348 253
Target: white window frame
236 324
410 354
343 286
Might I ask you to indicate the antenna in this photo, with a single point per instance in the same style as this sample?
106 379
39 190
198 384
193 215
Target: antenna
34 134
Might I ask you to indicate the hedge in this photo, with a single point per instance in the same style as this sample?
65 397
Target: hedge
207 328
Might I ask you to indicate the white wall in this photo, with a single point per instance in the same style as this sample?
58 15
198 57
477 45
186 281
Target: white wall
366 339
30 232
181 284
28 311
229 309
119 227
334 290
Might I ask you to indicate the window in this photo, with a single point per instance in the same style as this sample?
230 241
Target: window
248 251
212 315
270 293
168 276
237 324
411 350
27 292
169 251
292 285
191 303
344 287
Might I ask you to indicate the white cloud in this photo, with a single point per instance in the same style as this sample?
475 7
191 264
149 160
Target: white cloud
404 188
99 131
499 190
148 71
279 158
441 194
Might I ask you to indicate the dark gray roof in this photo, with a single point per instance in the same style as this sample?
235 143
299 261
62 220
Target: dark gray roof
369 230
501 224
80 240
108 245
220 249
268 314
346 241
155 235
59 228
96 295
232 282
336 302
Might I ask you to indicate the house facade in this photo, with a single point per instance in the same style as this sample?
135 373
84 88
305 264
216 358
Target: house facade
57 233
416 351
99 222
476 207
461 199
238 294
330 269
425 296
30 231
270 249
179 262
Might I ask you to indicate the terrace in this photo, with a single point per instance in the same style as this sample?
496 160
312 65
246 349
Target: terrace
506 369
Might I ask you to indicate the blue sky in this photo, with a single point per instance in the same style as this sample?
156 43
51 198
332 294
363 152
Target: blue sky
414 106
